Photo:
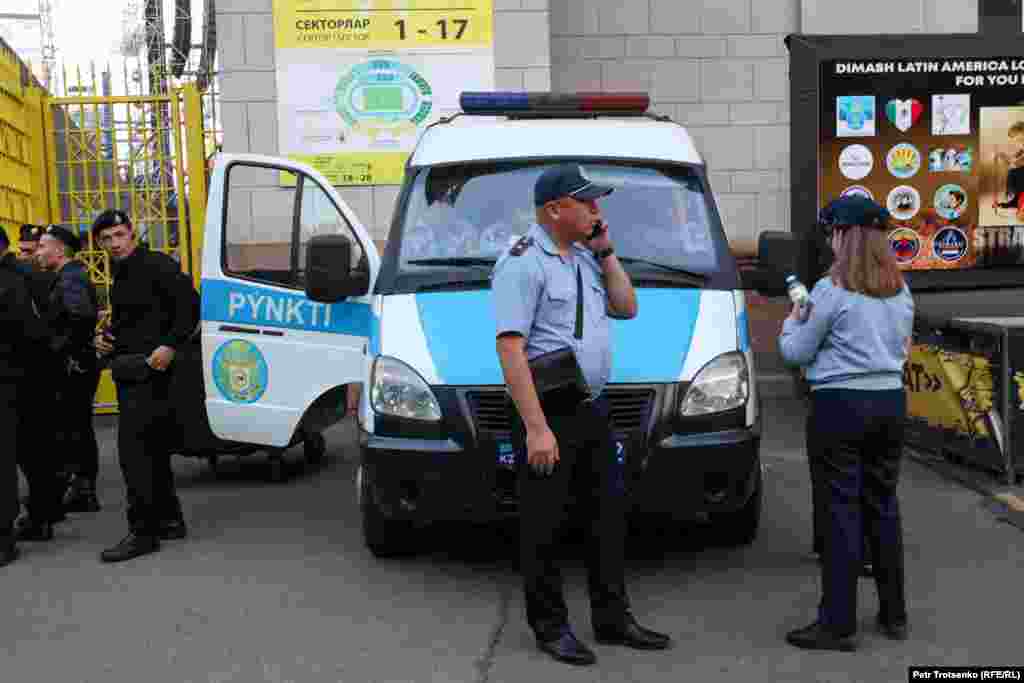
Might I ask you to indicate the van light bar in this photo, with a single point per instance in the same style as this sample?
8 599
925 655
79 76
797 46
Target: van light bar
511 102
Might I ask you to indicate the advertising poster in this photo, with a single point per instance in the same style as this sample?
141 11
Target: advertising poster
940 143
359 80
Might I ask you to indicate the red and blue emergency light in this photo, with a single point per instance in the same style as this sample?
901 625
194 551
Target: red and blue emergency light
539 103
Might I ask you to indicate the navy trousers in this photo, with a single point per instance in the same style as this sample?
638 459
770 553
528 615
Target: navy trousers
860 443
590 472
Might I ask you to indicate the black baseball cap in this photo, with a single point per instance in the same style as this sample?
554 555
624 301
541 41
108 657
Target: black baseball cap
64 235
566 180
854 210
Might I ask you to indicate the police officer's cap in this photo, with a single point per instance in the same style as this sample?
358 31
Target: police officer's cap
566 180
69 238
30 233
109 219
853 210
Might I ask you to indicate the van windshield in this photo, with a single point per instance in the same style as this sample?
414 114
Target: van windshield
461 218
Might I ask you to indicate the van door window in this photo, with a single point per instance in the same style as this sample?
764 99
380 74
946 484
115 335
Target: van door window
270 216
319 216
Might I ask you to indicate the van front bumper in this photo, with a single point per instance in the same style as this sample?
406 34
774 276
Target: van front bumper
681 476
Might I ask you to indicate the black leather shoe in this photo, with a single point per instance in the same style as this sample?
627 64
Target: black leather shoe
173 530
8 550
568 650
817 637
895 630
632 634
131 546
29 529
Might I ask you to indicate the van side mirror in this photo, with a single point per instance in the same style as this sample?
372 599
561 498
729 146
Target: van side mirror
776 257
329 273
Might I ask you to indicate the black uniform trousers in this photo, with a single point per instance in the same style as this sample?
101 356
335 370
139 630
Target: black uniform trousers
589 471
79 447
9 506
36 446
860 443
144 452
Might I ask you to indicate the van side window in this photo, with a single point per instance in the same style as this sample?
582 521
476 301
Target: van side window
270 216
259 220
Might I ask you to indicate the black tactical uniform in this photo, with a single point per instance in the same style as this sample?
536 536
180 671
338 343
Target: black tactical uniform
154 304
72 310
21 330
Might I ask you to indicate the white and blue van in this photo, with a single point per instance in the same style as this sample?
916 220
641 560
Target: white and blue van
297 303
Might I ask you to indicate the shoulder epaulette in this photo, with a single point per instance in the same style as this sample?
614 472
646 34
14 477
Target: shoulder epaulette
520 247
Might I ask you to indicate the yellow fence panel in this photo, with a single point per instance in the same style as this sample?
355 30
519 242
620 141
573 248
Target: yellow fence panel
23 194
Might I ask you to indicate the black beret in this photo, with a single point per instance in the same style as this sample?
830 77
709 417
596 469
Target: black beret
64 235
30 233
109 219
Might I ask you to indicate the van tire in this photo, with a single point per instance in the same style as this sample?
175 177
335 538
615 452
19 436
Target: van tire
740 528
384 537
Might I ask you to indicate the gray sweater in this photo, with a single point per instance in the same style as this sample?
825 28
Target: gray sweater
850 340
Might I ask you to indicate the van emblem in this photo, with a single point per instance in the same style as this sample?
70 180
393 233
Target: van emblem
240 371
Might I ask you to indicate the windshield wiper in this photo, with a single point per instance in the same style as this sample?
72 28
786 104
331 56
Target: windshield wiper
455 261
699 277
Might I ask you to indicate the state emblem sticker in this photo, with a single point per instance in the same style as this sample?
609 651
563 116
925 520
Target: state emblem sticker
240 371
950 244
905 244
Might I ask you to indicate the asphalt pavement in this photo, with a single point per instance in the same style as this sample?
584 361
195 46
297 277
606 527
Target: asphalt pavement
274 584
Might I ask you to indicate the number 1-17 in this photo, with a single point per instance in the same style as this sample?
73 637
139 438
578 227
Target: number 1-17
458 24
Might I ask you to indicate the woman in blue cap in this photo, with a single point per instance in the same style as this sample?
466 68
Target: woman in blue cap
854 345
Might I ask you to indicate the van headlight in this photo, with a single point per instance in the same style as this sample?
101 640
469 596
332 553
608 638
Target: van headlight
399 391
722 384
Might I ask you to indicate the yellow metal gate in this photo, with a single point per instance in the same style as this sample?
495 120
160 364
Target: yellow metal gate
143 154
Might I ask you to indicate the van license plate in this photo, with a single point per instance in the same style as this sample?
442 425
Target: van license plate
506 456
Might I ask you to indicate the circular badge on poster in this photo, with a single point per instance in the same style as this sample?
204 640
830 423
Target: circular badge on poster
950 201
856 162
903 202
857 191
240 371
903 160
905 244
950 244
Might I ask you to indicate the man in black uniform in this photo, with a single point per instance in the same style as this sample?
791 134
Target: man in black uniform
155 311
39 281
551 293
20 331
72 311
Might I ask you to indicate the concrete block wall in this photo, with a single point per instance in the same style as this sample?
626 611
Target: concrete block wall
248 89
717 66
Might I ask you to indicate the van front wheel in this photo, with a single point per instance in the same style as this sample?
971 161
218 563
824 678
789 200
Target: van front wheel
383 536
740 527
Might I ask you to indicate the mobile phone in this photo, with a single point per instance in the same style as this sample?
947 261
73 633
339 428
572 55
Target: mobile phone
597 230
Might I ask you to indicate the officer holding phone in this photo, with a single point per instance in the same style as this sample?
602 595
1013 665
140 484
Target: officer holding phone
554 290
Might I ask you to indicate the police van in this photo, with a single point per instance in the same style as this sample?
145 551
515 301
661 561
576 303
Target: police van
297 303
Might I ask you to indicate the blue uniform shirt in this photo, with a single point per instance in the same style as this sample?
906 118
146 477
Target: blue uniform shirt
535 296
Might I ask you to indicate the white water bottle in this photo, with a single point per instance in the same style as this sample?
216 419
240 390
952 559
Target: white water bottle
799 295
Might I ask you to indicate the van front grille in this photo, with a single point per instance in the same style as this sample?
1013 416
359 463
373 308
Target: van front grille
631 410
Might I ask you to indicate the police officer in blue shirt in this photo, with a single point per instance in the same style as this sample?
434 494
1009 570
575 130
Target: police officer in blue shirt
552 292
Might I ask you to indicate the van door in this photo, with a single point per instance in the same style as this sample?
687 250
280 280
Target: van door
268 350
